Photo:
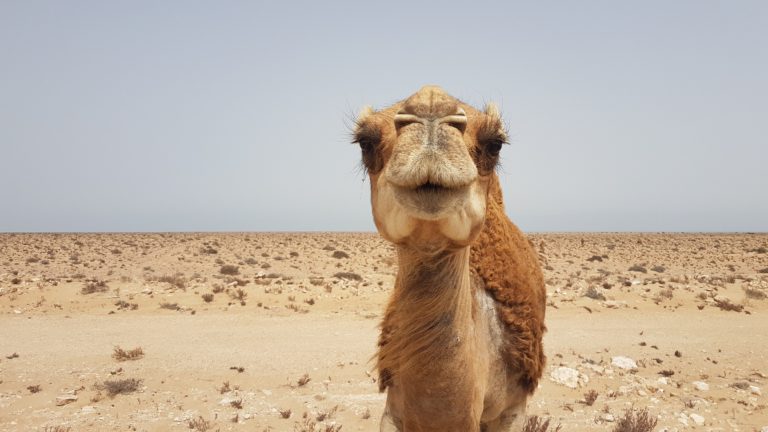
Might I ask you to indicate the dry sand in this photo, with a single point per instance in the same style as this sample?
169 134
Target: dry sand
293 331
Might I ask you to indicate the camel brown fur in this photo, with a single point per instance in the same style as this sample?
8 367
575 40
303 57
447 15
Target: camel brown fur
460 346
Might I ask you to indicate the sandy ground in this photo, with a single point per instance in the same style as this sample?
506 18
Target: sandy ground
675 323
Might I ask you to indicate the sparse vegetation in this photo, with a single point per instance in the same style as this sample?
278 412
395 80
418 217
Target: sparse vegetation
594 294
170 306
229 269
635 421
755 294
638 268
340 254
590 397
537 424
94 286
123 386
120 354
285 413
34 388
303 380
348 275
199 424
207 297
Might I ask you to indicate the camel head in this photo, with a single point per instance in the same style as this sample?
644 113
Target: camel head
430 159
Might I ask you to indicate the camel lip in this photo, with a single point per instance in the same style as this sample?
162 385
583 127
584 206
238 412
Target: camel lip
430 201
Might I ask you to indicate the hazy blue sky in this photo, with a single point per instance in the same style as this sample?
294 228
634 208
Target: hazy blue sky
181 115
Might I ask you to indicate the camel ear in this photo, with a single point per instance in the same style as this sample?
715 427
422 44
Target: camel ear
365 113
492 110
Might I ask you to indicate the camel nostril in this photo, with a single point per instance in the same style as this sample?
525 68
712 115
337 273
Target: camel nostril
458 120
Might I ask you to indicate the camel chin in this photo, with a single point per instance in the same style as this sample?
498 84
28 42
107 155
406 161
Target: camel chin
433 216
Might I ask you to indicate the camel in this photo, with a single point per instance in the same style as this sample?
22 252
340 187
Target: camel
460 347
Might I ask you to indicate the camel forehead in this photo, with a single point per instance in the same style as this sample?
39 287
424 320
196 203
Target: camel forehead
430 102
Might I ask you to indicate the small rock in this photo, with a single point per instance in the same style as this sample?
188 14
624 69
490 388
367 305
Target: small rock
755 390
700 386
566 376
624 363
663 381
227 401
65 399
699 420
88 409
764 429
608 417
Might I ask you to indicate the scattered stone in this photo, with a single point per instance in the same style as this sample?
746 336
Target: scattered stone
755 390
699 420
65 399
568 377
700 386
88 409
608 417
625 363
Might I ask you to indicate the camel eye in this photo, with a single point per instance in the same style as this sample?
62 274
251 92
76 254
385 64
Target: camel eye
366 144
494 147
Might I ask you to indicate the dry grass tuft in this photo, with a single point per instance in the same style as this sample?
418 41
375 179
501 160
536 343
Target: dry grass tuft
727 305
348 275
537 424
120 354
590 397
636 421
238 404
303 380
94 286
34 388
229 269
199 424
594 294
57 429
286 413
178 280
638 268
123 386
207 297
309 425
755 294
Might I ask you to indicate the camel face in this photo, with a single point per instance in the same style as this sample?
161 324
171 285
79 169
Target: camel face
429 159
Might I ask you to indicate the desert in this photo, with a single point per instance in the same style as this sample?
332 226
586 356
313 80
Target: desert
276 331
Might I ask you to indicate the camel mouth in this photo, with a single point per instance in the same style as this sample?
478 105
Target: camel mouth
430 200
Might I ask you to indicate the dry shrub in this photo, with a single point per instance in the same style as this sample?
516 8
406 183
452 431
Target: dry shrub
123 386
120 354
176 280
324 415
348 275
727 305
229 269
590 397
122 305
594 294
659 269
238 404
199 424
34 388
170 306
765 270
636 421
303 380
537 424
57 429
638 268
286 413
94 286
340 254
755 294
225 388
208 297
309 425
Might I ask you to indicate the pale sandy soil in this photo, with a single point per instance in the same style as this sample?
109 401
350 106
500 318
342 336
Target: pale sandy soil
299 313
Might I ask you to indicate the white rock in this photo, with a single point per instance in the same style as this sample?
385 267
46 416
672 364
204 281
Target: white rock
566 376
700 386
764 429
88 409
623 363
755 390
267 392
66 399
227 401
699 420
608 417
663 381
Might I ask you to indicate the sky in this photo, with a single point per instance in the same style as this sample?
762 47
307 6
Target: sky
235 116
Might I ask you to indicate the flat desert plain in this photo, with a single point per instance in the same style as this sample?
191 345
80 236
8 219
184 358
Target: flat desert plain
275 332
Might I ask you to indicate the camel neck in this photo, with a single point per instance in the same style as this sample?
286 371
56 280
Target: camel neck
434 298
